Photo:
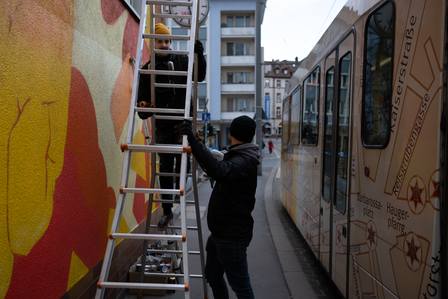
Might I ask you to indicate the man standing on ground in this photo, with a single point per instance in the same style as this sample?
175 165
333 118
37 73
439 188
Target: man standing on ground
171 98
229 210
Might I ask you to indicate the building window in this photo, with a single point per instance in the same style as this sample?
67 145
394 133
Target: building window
285 72
279 97
238 21
237 49
310 112
240 78
278 112
278 83
202 103
238 104
266 83
378 71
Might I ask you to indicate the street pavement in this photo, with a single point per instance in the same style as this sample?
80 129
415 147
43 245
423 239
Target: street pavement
280 263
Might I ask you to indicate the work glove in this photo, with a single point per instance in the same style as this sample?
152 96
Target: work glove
198 47
186 128
144 104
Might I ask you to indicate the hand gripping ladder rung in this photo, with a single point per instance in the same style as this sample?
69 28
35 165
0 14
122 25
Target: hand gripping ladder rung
128 147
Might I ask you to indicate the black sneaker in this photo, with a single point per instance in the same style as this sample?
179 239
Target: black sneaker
165 220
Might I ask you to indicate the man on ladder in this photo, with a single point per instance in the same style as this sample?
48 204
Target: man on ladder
168 97
166 132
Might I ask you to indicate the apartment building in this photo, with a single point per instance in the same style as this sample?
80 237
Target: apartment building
276 76
232 63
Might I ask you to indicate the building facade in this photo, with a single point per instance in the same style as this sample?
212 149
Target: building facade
276 76
231 69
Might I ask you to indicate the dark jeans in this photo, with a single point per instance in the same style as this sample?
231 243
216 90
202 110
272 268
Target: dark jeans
166 164
228 257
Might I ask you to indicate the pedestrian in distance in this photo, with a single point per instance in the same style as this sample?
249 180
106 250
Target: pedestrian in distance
232 201
270 146
171 98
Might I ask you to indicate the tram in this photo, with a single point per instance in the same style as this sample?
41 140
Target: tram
364 151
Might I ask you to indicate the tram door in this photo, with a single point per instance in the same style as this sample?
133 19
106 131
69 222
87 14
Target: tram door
336 175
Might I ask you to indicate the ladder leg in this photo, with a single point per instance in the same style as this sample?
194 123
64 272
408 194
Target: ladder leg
183 218
199 224
148 136
194 178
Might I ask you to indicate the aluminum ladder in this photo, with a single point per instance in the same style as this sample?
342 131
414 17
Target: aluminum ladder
183 149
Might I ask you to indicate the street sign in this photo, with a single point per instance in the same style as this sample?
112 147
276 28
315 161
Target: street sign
205 116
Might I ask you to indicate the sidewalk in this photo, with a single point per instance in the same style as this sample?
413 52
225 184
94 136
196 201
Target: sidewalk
280 263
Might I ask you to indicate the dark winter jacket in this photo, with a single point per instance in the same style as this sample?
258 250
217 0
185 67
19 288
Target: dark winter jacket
173 98
233 197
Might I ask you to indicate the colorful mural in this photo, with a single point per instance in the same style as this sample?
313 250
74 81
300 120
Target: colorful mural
66 89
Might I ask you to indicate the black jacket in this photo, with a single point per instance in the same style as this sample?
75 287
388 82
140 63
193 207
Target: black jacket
168 97
233 197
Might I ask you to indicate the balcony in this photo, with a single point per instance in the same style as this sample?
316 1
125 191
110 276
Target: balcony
238 88
238 32
238 60
232 115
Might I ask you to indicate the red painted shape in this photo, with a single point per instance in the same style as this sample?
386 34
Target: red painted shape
111 10
130 39
82 201
122 93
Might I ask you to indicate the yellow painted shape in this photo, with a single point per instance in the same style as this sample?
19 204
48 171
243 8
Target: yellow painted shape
35 78
138 161
77 271
122 227
6 263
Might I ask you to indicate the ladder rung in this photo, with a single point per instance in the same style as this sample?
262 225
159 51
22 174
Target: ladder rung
163 274
164 250
172 117
172 16
152 190
174 52
143 286
170 85
173 174
172 274
164 72
170 149
170 3
148 237
175 227
166 36
160 110
188 202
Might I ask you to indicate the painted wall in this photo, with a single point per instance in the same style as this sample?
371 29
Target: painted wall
65 80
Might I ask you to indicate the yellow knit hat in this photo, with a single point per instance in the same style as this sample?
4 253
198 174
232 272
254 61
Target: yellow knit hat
162 29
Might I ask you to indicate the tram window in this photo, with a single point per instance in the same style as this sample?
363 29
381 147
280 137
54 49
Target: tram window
310 112
285 122
328 135
295 116
343 123
378 71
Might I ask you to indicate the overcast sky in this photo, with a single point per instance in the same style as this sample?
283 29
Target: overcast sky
291 27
